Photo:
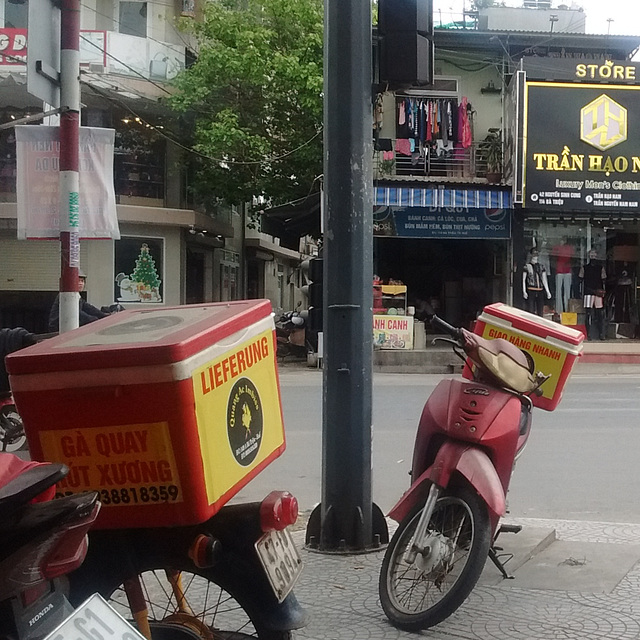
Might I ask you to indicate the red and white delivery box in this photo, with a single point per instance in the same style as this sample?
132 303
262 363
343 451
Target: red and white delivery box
553 347
167 412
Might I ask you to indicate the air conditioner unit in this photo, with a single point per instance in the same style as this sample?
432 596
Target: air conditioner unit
158 69
96 67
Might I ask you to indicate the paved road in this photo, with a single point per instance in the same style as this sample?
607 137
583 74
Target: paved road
581 462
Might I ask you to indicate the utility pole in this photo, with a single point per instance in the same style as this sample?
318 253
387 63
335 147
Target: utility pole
347 520
69 163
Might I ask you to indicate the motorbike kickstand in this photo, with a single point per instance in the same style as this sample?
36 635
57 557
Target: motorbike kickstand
495 557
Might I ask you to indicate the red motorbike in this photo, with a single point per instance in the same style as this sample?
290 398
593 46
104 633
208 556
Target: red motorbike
12 436
470 433
41 541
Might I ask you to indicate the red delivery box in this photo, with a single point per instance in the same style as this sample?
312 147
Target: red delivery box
553 347
167 412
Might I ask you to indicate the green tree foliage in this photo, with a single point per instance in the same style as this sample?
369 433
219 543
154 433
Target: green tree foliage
254 95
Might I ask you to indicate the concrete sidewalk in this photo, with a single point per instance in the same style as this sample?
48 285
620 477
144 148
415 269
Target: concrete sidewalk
609 356
572 580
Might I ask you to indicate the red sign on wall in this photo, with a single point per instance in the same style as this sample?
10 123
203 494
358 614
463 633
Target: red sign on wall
13 46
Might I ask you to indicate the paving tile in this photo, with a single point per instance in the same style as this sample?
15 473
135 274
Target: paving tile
599 600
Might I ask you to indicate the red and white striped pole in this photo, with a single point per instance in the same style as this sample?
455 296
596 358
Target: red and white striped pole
69 206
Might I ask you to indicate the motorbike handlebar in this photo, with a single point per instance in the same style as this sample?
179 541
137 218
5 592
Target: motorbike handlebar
439 324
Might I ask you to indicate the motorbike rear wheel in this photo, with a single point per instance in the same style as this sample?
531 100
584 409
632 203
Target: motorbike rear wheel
423 593
207 611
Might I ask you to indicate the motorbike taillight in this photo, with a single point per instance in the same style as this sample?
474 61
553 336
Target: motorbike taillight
278 510
70 548
44 559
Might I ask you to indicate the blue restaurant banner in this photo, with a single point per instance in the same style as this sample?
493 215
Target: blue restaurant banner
442 222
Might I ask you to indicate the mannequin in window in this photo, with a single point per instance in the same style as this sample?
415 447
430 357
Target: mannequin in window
593 278
623 291
563 253
534 284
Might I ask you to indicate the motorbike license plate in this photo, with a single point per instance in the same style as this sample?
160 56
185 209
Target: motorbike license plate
95 619
281 561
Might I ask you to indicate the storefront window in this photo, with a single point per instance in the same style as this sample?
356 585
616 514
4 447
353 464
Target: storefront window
133 18
16 14
139 159
564 246
229 275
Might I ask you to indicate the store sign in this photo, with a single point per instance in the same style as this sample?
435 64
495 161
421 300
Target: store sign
585 70
582 147
13 46
393 332
442 222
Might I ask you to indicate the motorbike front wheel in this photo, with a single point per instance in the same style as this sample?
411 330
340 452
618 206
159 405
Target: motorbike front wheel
197 608
12 430
422 593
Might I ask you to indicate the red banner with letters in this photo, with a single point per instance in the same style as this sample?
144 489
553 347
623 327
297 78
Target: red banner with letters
13 46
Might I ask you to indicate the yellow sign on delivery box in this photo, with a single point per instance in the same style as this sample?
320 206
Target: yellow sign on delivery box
238 413
547 358
128 465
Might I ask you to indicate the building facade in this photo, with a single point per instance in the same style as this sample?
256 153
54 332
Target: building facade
458 233
129 50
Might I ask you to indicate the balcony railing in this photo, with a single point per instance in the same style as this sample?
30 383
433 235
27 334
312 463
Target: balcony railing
105 52
432 163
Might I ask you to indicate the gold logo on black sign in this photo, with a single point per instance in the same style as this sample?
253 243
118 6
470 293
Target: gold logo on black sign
244 421
603 123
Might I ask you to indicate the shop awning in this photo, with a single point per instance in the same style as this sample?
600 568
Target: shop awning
438 197
295 219
291 221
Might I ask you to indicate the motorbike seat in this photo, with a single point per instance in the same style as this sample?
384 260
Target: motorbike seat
41 519
21 481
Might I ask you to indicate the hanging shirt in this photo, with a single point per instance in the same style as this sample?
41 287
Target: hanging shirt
465 125
534 276
563 254
594 276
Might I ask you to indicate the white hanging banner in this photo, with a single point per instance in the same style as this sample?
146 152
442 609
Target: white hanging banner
38 162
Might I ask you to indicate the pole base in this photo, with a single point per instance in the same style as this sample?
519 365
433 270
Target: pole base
332 537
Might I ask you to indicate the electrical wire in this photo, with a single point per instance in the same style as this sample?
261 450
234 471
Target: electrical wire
124 64
140 35
191 150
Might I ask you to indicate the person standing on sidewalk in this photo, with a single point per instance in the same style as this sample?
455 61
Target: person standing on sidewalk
87 312
593 278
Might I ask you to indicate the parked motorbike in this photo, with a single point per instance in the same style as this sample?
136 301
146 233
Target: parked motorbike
291 335
470 433
228 578
12 436
112 308
41 541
